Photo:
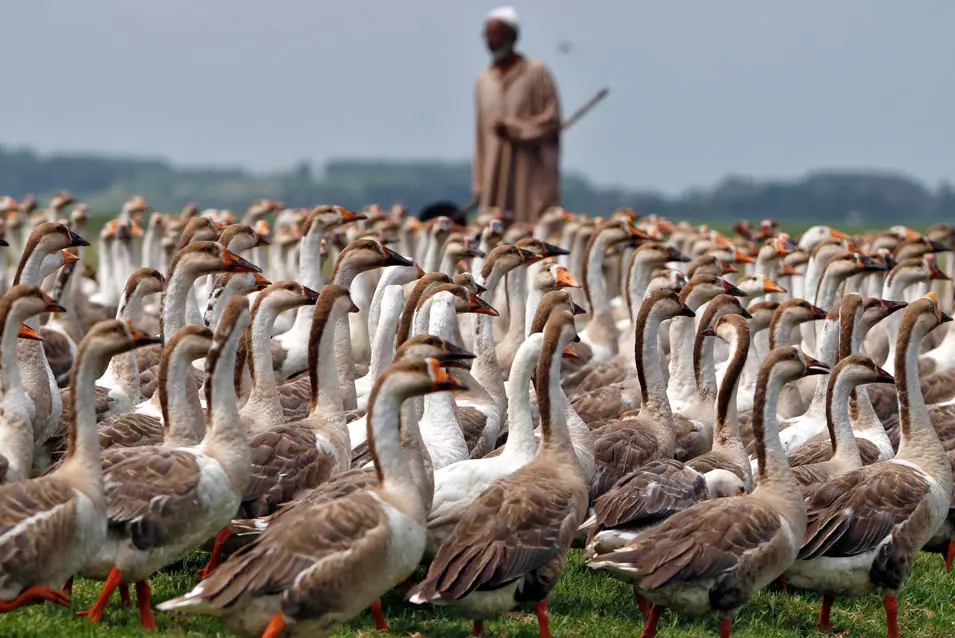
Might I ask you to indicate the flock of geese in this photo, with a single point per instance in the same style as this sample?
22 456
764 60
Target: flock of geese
335 399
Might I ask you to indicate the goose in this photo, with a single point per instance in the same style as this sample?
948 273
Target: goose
294 342
624 445
339 554
866 526
852 371
782 329
473 571
17 305
202 485
57 522
390 276
716 554
36 375
657 490
456 486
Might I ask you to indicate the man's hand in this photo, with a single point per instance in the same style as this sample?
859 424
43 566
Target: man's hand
500 129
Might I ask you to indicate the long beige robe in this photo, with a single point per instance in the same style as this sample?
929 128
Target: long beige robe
520 175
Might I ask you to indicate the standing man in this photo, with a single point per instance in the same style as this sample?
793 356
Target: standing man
517 149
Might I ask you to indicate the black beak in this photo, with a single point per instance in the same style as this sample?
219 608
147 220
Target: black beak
577 309
3 242
311 297
550 250
76 240
146 340
394 259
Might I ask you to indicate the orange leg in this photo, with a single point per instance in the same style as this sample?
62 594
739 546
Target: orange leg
726 628
143 592
642 602
950 556
892 616
543 619
124 597
34 596
95 613
650 630
217 548
825 624
477 628
380 623
275 627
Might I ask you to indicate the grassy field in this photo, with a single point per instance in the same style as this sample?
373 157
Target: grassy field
585 604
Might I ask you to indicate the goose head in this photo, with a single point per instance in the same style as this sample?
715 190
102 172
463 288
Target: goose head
23 301
48 238
415 377
60 201
874 311
917 247
551 302
323 218
654 253
762 314
285 295
920 317
367 254
553 276
786 364
107 339
241 237
188 211
259 209
702 288
207 257
55 261
707 264
134 207
666 279
425 345
758 285
464 300
189 342
467 280
198 229
540 247
859 369
817 234
143 282
664 304
505 258
789 314
914 270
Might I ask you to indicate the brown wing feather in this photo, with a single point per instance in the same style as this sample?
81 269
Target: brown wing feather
853 513
819 450
150 492
653 492
715 460
295 396
285 462
348 536
46 511
513 528
619 448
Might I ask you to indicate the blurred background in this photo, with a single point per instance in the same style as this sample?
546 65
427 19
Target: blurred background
840 111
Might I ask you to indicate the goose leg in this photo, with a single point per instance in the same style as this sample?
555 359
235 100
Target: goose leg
783 588
642 602
34 596
124 596
726 628
892 614
543 618
217 548
275 627
380 623
825 624
95 613
950 556
650 630
143 593
477 628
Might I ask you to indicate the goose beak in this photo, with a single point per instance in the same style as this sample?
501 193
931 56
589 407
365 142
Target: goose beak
26 332
311 297
709 332
441 380
742 258
935 274
686 312
350 216
577 310
76 240
818 313
870 265
68 257
3 242
771 286
262 240
938 247
944 317
550 250
455 359
474 252
565 279
141 338
261 283
394 259
52 306
814 366
479 289
744 313
728 269
528 257
234 263
788 271
881 376
675 255
568 353
837 234
892 306
420 273
732 290
480 307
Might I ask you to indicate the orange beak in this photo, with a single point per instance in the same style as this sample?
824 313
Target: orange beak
481 307
234 263
52 306
742 258
771 286
838 234
141 338
568 353
728 269
350 216
936 274
261 283
788 271
26 332
442 380
68 257
565 279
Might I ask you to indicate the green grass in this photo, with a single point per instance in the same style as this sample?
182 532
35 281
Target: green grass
585 604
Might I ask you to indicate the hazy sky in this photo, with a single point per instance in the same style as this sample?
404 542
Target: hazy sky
698 88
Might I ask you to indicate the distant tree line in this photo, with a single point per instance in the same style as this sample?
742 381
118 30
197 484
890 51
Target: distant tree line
858 197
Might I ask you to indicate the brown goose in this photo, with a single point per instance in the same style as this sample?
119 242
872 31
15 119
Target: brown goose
320 564
54 524
715 555
866 526
512 544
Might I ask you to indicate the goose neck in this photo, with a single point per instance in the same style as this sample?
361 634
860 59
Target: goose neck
384 440
918 440
416 452
383 348
520 437
226 439
555 435
726 428
844 447
83 447
183 418
774 471
596 289
174 301
516 302
264 388
326 383
649 373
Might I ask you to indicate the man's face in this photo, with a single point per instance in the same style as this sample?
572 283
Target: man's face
498 37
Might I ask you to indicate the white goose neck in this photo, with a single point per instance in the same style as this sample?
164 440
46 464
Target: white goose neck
520 439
